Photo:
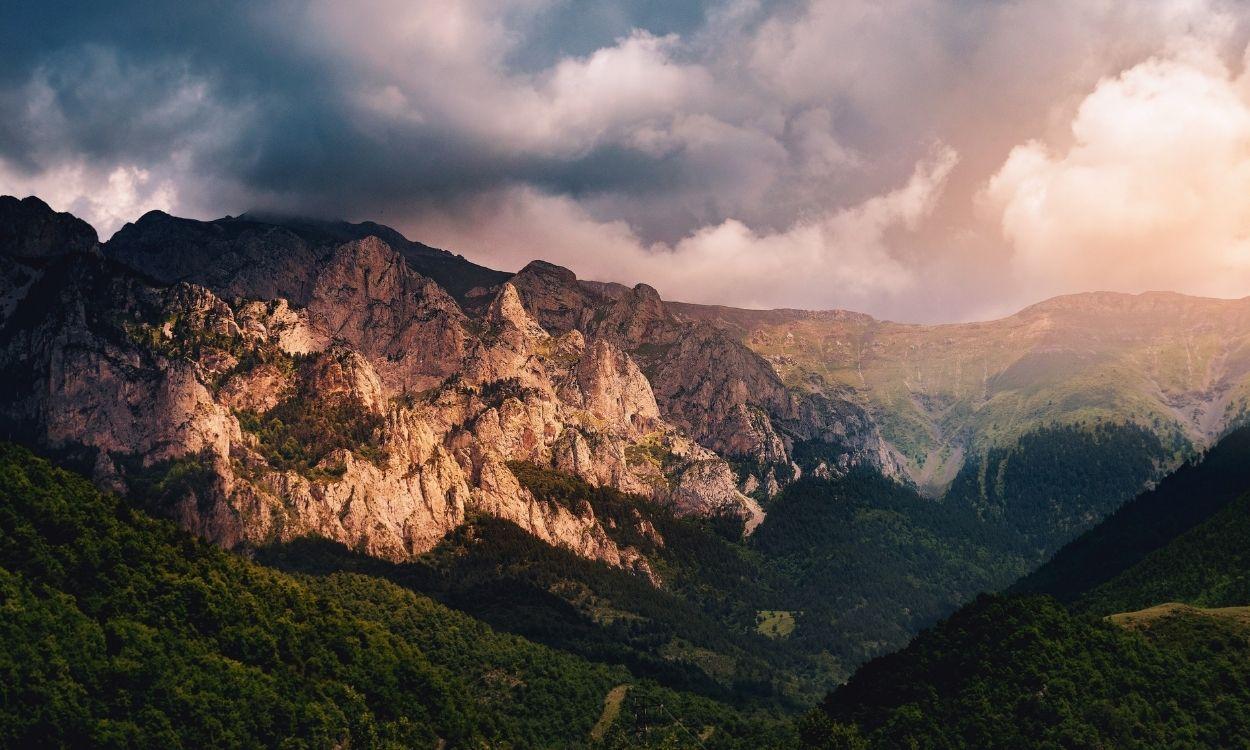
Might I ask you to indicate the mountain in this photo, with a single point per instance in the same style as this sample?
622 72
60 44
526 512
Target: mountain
944 395
123 631
743 505
1151 651
304 386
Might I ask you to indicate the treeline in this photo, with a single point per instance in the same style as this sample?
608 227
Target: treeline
1027 671
122 631
1024 672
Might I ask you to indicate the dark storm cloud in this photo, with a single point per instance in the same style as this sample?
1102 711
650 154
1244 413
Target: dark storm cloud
249 104
848 137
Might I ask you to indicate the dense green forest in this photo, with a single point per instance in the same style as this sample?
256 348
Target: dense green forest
867 562
122 631
160 639
1055 482
853 565
1207 566
1024 672
1182 500
1029 671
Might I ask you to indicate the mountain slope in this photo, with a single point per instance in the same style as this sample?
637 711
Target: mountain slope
1164 670
943 395
367 407
1182 500
1024 672
264 380
1206 566
122 631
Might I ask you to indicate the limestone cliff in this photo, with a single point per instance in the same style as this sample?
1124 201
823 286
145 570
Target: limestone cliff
366 407
707 382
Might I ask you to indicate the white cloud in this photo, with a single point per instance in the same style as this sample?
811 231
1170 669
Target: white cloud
843 256
105 198
712 162
1151 193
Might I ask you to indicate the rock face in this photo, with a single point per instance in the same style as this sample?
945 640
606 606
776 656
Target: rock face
944 395
258 386
708 382
366 295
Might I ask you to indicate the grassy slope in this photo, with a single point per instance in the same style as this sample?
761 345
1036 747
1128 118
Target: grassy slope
1177 365
119 630
1151 616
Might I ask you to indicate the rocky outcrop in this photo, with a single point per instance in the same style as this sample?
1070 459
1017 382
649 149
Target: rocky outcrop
367 296
367 408
235 259
706 381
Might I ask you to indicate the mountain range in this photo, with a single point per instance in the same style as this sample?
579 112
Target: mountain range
739 507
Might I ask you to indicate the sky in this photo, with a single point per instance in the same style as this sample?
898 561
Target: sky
919 160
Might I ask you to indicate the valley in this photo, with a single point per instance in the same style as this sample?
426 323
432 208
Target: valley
733 512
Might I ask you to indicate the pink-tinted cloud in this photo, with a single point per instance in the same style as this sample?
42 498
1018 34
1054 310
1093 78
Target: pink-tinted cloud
1151 192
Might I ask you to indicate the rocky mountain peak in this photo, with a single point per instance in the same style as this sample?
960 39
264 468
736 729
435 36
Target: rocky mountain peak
327 382
646 293
548 272
507 312
31 230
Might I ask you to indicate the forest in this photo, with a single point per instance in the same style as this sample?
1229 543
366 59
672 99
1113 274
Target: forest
1146 646
120 630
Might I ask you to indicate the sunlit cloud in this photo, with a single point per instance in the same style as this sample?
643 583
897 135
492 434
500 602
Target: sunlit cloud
846 249
105 198
1151 193
751 152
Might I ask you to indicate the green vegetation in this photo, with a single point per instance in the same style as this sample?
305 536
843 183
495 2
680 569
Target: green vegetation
1182 500
302 431
866 563
181 337
1207 566
1056 482
160 485
1027 673
775 623
651 450
847 568
496 392
1152 651
692 633
122 631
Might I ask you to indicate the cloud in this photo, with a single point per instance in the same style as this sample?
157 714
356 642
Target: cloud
694 134
1151 193
106 199
844 254
109 139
